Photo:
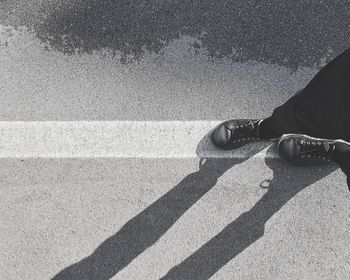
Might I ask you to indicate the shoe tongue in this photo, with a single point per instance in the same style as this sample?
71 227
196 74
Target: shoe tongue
329 147
326 146
258 128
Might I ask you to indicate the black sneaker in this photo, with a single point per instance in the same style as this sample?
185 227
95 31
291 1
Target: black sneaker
235 133
300 149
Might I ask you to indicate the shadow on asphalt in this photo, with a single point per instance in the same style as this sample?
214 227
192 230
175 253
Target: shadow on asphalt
150 225
249 227
146 228
285 33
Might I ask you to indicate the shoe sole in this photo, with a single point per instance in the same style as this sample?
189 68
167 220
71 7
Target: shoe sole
311 161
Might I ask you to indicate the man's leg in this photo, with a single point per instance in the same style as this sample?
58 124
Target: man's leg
283 120
319 110
323 105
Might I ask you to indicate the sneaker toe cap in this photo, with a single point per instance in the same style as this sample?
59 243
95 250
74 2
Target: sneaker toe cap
221 136
287 148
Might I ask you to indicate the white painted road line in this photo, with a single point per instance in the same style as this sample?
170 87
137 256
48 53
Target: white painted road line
123 139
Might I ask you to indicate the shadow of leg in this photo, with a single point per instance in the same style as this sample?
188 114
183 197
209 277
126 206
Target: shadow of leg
147 227
248 227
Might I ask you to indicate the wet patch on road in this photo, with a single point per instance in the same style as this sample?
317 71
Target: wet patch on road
303 34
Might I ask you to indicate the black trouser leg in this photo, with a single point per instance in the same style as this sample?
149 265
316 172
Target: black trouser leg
321 109
283 119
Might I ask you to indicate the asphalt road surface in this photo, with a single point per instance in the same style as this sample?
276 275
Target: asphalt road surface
106 171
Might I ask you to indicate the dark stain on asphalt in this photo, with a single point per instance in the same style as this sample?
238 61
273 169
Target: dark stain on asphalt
303 33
